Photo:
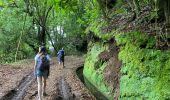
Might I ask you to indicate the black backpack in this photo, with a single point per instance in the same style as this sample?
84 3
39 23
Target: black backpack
44 64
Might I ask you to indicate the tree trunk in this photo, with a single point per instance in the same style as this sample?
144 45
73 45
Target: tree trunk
167 12
160 7
163 7
43 36
39 34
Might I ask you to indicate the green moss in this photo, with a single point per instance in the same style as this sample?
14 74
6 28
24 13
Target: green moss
97 26
145 70
93 69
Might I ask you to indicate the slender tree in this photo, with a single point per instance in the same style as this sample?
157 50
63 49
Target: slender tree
40 10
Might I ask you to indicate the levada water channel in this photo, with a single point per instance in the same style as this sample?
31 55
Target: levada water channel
90 86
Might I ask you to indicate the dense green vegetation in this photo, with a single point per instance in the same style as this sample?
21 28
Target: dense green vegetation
26 24
145 71
137 30
66 23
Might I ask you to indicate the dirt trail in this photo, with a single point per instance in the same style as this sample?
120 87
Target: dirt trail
62 84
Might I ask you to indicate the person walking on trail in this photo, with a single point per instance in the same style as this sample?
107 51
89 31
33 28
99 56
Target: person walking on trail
61 56
41 70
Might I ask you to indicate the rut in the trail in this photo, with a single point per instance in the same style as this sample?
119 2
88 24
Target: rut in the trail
63 90
19 92
66 93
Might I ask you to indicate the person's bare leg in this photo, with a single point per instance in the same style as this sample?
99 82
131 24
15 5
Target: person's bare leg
62 61
39 80
44 86
63 64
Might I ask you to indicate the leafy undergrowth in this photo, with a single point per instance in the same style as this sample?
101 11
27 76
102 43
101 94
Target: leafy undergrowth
145 70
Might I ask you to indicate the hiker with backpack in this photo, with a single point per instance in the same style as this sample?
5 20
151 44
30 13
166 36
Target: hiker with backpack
61 56
41 70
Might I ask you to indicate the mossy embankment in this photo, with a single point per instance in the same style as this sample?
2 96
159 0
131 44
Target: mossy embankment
102 66
127 66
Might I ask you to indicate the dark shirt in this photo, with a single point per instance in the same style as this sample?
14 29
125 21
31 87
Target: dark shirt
60 53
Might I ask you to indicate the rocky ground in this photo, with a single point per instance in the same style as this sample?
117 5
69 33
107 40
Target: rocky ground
17 82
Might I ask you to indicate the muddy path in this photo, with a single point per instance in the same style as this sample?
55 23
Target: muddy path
62 84
20 91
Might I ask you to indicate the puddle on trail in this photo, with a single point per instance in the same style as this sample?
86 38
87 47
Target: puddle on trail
91 87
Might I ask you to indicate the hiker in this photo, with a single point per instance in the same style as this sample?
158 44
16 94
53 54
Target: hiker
61 56
41 70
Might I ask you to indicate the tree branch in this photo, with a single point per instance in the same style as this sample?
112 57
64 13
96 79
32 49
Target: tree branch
51 40
49 9
32 46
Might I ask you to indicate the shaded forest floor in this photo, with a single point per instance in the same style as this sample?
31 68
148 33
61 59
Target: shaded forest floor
18 82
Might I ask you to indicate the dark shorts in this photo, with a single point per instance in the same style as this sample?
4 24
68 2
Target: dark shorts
61 58
42 73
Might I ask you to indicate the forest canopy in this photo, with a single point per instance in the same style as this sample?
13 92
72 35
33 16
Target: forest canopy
27 24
